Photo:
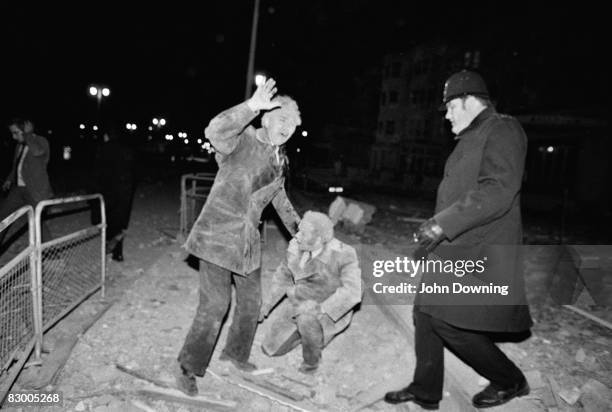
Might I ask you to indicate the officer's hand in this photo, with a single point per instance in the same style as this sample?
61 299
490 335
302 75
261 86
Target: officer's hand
262 98
427 237
6 185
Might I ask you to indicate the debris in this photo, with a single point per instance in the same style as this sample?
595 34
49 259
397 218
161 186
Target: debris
595 396
411 219
589 316
142 405
289 378
580 355
174 395
80 407
275 388
535 380
141 376
570 396
326 395
554 390
351 213
262 371
237 380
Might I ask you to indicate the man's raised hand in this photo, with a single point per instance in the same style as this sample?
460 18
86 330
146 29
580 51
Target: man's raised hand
262 98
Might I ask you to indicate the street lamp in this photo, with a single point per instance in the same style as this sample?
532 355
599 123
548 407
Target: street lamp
251 64
98 92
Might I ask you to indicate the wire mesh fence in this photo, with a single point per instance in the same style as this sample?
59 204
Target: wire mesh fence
72 267
16 320
19 301
194 192
71 270
44 281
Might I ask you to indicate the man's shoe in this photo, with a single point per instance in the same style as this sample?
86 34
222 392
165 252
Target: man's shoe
118 252
404 395
186 382
307 368
243 366
492 396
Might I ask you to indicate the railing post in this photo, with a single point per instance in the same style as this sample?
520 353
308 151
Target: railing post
37 282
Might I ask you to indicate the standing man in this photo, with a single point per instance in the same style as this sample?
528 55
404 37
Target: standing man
28 182
478 211
225 236
114 178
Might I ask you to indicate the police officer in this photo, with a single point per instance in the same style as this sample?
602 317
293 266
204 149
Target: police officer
477 209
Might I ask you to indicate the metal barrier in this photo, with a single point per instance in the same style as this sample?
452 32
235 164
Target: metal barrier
20 302
194 191
71 267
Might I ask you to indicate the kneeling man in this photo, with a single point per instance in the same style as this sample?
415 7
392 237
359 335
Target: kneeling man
322 281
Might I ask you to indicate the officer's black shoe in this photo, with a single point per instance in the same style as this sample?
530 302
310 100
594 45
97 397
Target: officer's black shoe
492 396
404 395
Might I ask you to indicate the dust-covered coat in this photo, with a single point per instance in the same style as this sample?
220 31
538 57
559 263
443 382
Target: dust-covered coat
478 207
249 177
333 279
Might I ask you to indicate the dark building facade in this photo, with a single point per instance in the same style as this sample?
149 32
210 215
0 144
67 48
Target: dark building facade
411 139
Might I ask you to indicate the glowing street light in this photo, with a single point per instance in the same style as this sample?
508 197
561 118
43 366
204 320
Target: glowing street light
158 122
98 92
82 126
304 133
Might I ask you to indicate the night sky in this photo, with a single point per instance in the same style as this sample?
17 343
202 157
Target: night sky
187 65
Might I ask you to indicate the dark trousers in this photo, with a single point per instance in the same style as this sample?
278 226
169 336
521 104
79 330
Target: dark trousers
18 197
475 348
215 296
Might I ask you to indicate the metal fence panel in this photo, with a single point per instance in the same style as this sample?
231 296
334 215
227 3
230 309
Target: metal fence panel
71 267
19 304
194 192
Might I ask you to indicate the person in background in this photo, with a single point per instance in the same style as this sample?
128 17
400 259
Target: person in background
28 181
114 177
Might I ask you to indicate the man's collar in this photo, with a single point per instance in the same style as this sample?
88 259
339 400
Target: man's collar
477 121
324 255
262 135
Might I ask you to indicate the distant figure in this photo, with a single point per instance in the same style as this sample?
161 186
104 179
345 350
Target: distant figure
322 281
27 182
225 236
114 178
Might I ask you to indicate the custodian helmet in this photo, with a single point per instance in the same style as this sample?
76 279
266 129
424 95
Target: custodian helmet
463 83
